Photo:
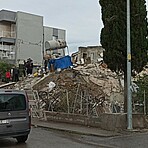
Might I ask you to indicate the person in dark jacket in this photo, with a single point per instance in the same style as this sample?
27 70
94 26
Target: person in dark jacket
29 66
15 74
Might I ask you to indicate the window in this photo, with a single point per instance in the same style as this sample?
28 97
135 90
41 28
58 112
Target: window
92 56
12 102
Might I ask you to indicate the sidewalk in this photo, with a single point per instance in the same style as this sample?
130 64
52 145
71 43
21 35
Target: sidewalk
73 128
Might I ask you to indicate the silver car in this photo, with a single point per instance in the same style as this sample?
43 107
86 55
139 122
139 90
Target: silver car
15 119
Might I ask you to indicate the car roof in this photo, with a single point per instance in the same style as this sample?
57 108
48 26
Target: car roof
2 91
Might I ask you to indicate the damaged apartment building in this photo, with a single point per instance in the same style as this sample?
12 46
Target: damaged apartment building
23 35
88 55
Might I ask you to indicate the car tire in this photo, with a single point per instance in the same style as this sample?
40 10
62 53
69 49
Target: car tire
22 139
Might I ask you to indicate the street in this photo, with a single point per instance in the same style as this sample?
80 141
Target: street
41 138
44 138
137 140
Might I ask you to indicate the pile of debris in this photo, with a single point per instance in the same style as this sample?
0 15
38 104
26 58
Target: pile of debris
87 90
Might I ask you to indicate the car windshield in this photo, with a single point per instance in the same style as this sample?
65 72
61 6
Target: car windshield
12 102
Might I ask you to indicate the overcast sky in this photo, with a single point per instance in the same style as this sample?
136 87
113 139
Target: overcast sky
80 18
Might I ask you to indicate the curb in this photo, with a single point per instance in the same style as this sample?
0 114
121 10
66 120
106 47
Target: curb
74 131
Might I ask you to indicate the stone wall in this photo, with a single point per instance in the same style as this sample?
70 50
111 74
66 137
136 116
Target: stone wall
105 121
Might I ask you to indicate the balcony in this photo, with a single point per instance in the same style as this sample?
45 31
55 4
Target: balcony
7 37
7 34
7 52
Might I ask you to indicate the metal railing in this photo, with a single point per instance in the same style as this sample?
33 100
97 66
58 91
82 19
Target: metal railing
7 51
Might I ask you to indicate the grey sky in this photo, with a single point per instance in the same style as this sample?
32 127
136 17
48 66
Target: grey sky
80 18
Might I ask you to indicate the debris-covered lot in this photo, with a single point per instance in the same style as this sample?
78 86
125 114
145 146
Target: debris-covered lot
87 90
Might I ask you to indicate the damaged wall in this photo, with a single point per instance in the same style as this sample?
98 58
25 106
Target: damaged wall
90 54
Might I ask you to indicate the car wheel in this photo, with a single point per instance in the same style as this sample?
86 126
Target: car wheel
22 139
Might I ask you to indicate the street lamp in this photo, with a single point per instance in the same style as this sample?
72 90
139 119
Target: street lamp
129 94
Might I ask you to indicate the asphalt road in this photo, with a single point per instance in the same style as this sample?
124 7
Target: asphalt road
45 138
41 138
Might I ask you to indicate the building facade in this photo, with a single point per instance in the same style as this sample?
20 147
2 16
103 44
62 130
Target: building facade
87 55
23 35
54 34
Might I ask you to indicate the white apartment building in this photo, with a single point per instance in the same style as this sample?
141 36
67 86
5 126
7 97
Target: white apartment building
23 35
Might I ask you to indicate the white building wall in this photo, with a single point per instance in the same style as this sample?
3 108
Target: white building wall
61 34
48 33
29 37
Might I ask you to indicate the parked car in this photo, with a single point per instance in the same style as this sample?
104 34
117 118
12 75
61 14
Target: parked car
15 118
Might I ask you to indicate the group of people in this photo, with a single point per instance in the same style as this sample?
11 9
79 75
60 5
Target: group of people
28 67
14 73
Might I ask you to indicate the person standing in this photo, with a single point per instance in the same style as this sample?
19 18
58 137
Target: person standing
8 76
15 74
29 66
45 65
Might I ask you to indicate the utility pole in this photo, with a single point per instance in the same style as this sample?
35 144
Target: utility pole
129 95
42 48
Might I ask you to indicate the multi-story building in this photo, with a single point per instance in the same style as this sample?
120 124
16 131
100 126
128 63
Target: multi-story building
23 35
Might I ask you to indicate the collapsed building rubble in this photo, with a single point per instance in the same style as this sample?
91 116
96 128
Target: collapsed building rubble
87 90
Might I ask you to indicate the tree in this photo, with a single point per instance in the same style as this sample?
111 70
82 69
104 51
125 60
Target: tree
113 35
141 97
